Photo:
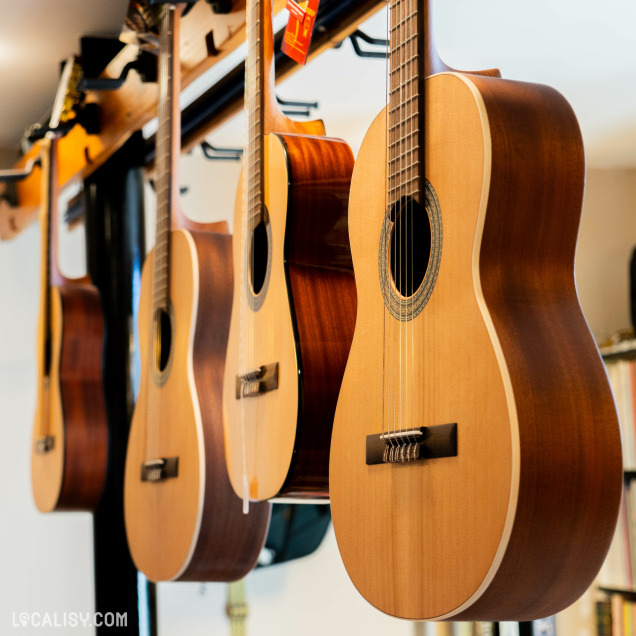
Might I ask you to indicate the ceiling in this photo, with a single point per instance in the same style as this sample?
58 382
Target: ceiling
586 51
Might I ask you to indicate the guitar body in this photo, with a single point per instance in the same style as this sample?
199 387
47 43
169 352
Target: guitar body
191 526
70 408
302 318
516 525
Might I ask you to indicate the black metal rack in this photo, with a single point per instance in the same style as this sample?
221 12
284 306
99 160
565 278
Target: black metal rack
115 254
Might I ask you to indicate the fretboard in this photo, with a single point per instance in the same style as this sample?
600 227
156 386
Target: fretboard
406 100
255 107
47 218
168 149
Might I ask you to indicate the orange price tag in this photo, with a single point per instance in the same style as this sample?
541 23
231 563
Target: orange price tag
299 29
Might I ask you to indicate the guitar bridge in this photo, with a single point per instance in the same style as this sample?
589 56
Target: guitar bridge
44 444
160 469
426 442
258 381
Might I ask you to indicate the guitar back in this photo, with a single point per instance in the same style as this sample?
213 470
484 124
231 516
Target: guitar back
496 529
70 410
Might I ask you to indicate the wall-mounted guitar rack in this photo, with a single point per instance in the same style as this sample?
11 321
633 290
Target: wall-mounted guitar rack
111 166
124 111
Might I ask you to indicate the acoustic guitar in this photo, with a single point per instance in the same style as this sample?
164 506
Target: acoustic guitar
475 460
183 520
294 292
70 434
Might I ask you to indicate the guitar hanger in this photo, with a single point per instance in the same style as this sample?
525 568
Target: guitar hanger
360 52
16 174
220 154
299 109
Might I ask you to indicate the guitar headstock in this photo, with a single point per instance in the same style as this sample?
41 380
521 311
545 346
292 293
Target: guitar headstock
141 25
69 96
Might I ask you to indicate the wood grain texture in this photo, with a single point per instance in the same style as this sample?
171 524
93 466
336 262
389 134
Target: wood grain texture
71 399
305 323
502 349
323 296
570 472
190 527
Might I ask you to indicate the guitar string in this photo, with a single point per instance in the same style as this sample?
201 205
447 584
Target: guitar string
414 103
408 221
400 253
46 161
402 193
151 394
393 13
248 207
162 210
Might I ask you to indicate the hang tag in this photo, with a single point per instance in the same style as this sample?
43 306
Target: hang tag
299 29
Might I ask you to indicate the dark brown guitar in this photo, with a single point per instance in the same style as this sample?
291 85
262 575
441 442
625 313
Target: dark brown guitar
70 434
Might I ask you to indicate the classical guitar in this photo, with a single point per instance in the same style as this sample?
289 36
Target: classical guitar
294 292
70 434
475 459
183 520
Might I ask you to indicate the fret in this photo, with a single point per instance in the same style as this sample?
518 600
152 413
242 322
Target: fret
402 67
403 23
404 184
416 162
404 132
409 134
405 42
397 174
400 108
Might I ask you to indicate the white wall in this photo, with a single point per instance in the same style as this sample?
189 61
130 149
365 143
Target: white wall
606 240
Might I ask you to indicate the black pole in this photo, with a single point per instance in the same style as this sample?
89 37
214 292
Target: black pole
115 254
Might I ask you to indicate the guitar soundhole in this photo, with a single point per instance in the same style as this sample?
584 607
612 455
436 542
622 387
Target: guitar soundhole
163 342
410 251
259 256
258 261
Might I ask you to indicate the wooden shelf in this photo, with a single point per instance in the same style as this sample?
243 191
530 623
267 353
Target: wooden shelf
626 349
627 593
124 111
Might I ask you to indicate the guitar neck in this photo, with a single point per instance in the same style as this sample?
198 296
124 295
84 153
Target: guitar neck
168 148
49 270
257 77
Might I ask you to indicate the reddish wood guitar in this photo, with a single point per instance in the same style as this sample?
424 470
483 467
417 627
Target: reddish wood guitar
294 292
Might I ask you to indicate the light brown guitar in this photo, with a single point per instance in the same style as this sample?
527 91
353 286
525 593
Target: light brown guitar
70 434
294 292
183 520
475 459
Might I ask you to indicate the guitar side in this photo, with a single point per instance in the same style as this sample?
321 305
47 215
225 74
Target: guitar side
71 407
502 350
303 321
